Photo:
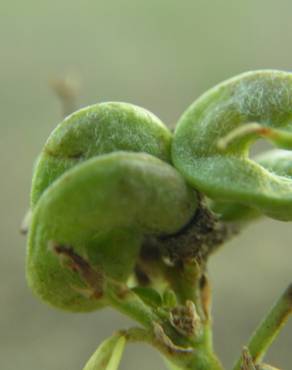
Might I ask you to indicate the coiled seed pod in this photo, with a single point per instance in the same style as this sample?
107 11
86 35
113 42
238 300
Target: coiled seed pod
95 130
101 209
212 140
95 207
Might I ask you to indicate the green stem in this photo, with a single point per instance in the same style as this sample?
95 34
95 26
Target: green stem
269 328
127 302
171 344
184 282
185 353
124 300
175 359
190 284
200 360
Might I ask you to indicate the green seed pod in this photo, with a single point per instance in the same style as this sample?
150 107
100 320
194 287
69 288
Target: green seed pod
95 130
212 140
100 210
276 161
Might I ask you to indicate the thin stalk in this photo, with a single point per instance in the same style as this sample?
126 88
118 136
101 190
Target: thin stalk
127 302
183 352
191 284
269 328
175 357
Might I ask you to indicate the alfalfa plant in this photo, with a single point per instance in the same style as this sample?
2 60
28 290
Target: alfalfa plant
125 213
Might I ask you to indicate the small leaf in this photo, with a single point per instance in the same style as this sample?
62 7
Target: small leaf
108 354
169 298
149 296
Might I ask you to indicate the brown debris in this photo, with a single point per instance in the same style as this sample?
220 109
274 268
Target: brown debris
79 265
199 238
247 361
186 320
167 343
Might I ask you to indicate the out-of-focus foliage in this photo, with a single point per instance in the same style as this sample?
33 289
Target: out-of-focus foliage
160 54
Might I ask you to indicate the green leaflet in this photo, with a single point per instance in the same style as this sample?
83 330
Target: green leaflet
101 209
149 296
108 354
212 140
169 298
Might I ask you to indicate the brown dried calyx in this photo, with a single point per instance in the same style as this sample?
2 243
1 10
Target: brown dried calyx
186 320
199 238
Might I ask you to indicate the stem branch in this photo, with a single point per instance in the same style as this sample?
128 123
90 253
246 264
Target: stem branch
269 328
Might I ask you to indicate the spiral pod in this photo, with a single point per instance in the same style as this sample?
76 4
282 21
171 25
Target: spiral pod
212 140
96 208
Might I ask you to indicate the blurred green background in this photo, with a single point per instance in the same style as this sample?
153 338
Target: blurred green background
160 54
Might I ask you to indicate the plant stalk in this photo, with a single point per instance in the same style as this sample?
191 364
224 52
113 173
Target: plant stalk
269 328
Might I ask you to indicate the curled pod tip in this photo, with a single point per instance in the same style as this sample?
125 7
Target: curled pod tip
212 140
101 209
276 161
99 129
